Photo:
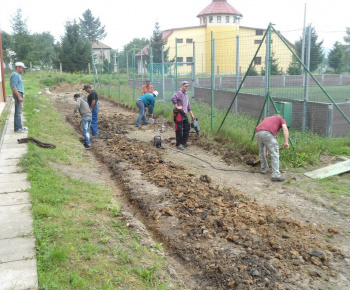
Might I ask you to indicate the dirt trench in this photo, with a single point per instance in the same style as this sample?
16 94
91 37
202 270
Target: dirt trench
216 233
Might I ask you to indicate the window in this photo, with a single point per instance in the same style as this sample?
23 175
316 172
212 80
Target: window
259 32
227 19
257 60
189 40
189 59
257 41
179 40
180 59
210 19
204 20
219 19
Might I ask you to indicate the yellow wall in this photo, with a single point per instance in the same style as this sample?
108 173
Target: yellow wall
225 49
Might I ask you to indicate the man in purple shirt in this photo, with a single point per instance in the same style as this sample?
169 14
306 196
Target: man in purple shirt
182 125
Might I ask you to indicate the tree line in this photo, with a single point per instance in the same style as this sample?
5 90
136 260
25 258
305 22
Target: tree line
73 50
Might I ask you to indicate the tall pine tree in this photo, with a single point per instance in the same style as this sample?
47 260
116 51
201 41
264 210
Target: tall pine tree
347 49
91 28
336 58
74 52
21 41
316 51
157 44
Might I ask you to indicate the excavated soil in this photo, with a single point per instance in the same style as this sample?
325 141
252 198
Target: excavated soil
216 234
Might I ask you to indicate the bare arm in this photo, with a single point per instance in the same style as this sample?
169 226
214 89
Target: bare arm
16 92
92 104
285 136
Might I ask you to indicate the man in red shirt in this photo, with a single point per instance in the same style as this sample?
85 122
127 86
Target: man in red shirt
147 88
266 133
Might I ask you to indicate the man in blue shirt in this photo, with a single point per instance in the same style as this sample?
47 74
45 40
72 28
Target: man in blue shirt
17 87
145 101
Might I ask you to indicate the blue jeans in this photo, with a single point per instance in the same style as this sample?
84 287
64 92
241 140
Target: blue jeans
141 115
266 140
94 131
85 124
18 111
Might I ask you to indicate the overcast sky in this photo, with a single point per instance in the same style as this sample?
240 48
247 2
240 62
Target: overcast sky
125 20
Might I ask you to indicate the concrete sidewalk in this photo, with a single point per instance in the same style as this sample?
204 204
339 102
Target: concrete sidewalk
18 269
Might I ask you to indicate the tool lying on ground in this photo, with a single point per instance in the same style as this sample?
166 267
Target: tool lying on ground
37 142
195 125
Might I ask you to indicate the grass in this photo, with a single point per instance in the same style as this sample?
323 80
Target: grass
238 130
81 241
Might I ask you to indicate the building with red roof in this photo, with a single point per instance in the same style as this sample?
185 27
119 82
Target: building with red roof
223 20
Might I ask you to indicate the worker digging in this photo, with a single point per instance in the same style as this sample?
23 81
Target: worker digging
182 106
266 133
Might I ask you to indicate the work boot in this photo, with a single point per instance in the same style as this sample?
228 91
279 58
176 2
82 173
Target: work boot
180 147
186 144
280 179
264 171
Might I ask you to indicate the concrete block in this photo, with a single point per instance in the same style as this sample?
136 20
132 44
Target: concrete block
8 162
13 177
13 153
19 275
8 187
16 221
9 169
14 198
16 249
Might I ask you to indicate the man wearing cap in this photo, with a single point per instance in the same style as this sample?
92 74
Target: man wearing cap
17 87
266 133
83 108
92 100
145 101
182 125
147 88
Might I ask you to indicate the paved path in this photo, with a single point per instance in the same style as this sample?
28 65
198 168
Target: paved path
18 268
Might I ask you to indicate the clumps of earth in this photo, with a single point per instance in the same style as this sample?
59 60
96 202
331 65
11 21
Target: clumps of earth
229 241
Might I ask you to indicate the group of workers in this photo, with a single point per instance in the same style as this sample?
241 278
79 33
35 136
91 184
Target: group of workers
266 131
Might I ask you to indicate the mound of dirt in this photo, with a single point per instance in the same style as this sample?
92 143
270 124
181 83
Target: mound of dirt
230 240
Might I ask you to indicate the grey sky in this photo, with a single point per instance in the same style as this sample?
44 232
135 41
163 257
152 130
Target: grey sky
125 20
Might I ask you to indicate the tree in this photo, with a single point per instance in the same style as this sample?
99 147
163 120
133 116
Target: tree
157 42
294 67
74 52
316 51
91 28
336 57
6 46
274 69
347 48
137 44
22 43
252 72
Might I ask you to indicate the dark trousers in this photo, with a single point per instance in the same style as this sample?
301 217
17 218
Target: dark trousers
182 127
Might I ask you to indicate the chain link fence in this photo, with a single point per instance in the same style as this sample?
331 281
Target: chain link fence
255 68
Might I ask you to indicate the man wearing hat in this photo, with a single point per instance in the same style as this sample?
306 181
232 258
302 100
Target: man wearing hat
145 101
92 100
147 88
182 125
17 87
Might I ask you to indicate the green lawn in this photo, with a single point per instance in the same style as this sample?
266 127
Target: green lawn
81 241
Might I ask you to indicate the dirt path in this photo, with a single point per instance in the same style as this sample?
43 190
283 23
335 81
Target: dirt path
221 229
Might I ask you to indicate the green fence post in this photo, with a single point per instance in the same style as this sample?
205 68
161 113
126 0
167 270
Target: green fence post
212 79
268 70
134 74
175 64
118 69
